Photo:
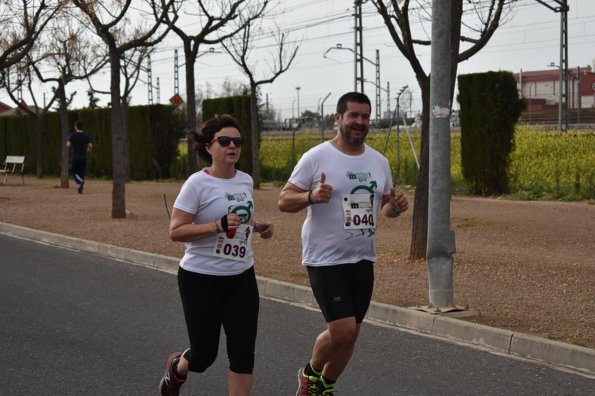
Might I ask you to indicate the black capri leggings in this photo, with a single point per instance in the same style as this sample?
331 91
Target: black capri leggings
210 302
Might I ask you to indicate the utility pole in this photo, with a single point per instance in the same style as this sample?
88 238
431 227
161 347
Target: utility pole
563 99
441 239
378 105
158 90
149 80
359 47
564 62
176 73
388 97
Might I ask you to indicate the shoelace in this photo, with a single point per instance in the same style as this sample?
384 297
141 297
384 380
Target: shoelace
312 386
327 389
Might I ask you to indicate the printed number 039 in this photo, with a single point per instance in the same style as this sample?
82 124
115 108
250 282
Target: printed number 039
234 250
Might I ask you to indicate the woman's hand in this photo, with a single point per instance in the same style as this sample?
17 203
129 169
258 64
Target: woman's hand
265 229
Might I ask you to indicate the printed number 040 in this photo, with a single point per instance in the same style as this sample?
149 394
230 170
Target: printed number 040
367 219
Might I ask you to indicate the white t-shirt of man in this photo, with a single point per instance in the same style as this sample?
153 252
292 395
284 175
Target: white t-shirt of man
209 198
343 230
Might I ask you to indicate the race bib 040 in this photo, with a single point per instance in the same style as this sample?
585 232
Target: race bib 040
358 211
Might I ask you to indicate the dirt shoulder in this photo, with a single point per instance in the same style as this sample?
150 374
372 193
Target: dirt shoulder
525 266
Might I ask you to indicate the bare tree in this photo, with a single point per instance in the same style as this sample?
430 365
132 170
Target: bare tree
22 76
109 20
212 19
22 22
240 48
66 55
468 37
130 67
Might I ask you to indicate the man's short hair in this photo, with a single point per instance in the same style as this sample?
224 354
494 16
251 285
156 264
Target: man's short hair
78 125
356 97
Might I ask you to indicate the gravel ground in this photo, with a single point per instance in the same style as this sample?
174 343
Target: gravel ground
525 266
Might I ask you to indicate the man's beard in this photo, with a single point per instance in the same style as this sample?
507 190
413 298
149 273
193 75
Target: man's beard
347 133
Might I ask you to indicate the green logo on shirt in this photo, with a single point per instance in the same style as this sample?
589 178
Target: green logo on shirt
359 176
239 197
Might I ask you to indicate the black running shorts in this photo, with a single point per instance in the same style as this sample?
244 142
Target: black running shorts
343 290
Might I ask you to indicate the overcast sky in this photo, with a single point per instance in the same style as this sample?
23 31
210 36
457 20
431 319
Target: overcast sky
530 40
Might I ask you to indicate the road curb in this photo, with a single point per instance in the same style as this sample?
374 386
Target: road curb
556 353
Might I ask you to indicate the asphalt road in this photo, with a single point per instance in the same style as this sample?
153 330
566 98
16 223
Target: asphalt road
78 324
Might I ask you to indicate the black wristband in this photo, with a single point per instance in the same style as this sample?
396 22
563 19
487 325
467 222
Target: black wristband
224 224
310 197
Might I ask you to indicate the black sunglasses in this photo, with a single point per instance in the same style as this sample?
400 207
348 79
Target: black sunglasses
226 140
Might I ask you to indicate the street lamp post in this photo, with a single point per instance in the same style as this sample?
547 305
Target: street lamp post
298 101
403 88
322 115
560 95
376 64
211 50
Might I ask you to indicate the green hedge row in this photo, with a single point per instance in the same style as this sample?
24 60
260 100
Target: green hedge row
153 134
489 108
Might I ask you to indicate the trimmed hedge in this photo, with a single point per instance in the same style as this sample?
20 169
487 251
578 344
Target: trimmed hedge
489 108
153 135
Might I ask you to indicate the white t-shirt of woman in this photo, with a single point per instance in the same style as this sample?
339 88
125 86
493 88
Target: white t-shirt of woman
209 198
343 230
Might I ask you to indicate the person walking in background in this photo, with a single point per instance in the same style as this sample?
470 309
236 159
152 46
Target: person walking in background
214 216
81 145
341 182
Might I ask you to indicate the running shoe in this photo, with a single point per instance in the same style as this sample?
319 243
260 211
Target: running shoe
326 390
80 189
170 383
308 384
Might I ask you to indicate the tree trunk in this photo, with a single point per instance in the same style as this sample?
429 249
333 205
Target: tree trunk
419 233
254 136
64 179
118 143
191 116
125 161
